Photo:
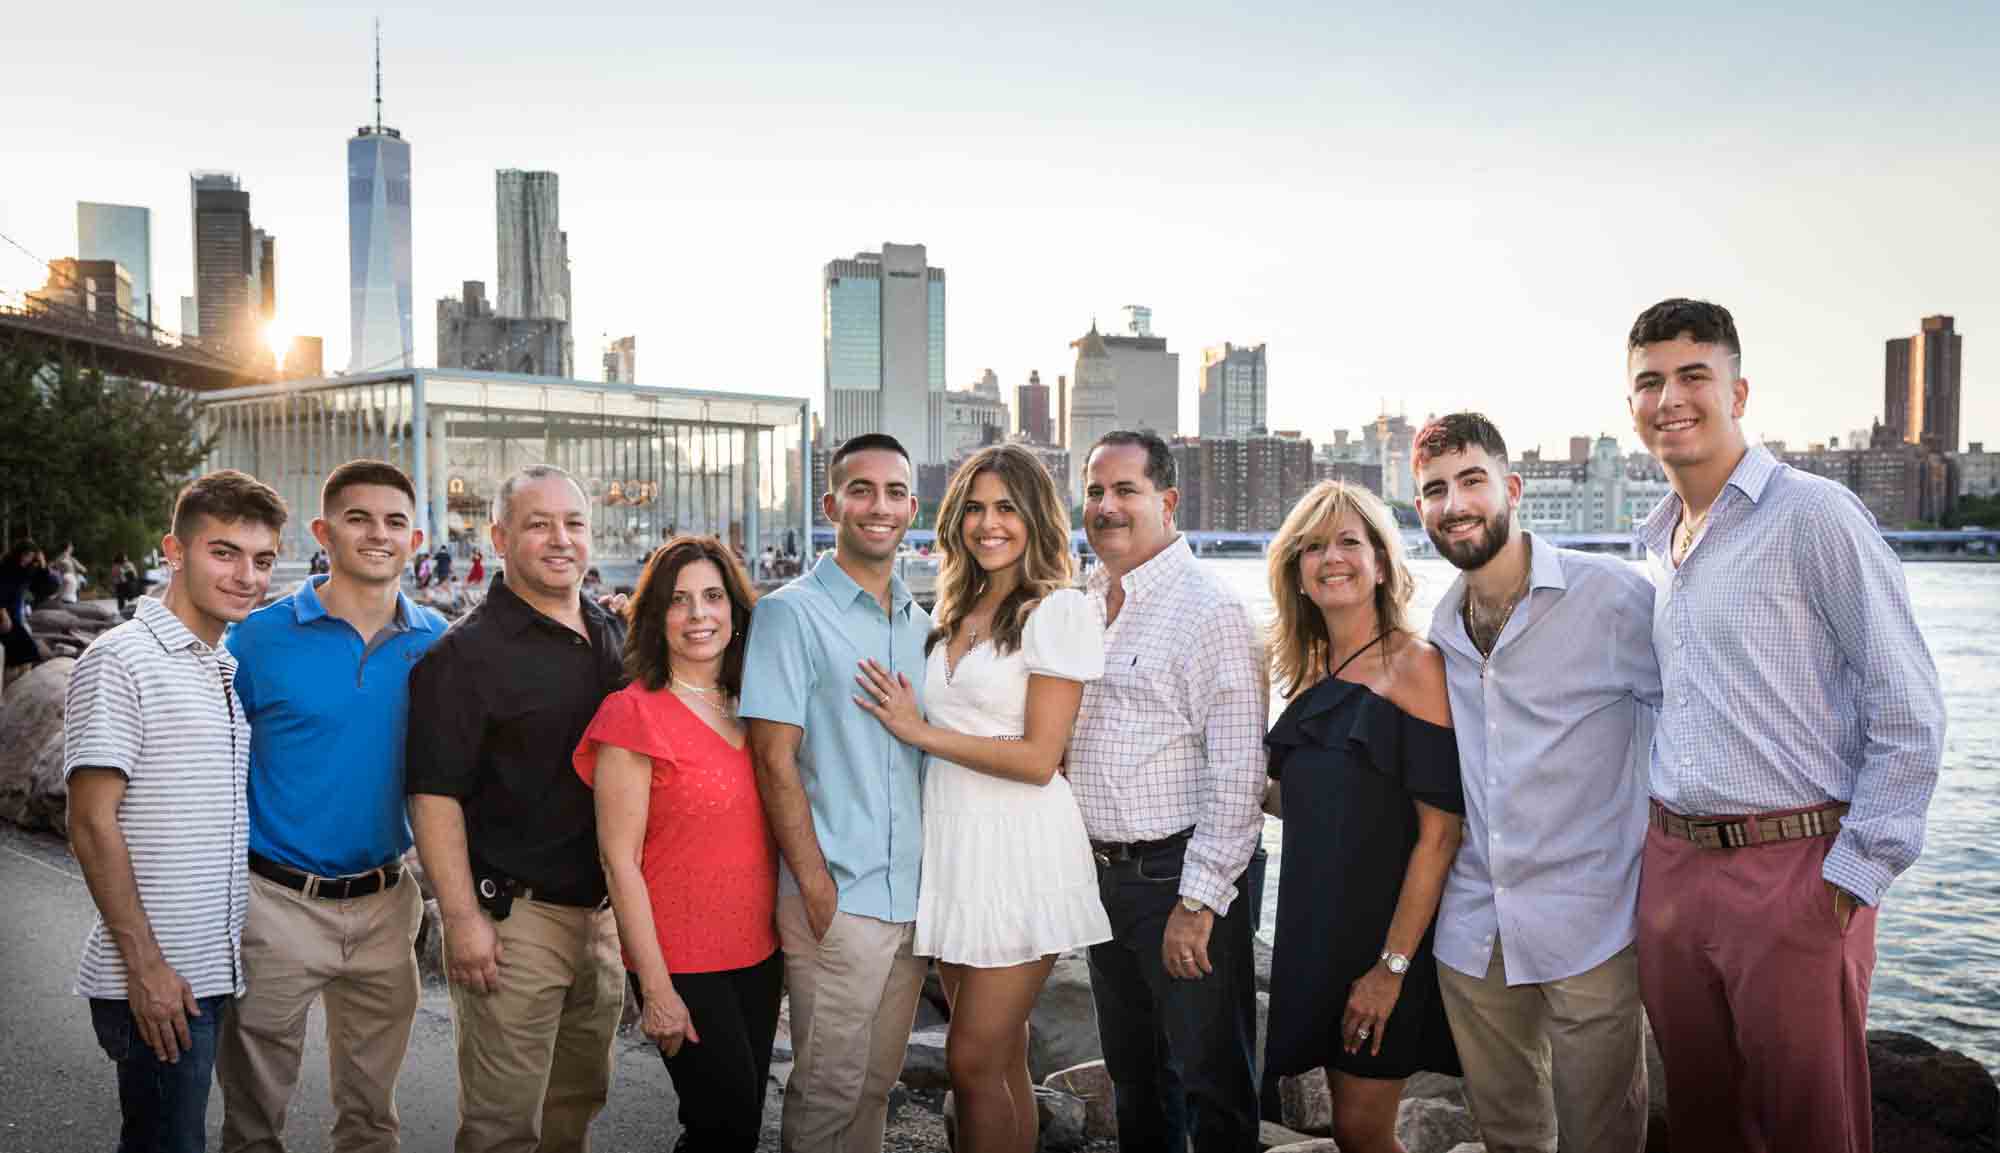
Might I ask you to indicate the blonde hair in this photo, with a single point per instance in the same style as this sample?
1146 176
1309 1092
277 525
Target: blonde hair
1046 565
1298 641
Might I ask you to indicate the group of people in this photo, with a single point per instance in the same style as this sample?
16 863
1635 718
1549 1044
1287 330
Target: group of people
1586 794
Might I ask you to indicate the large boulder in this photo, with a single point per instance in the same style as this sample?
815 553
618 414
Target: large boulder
1271 1135
32 791
924 1060
1090 1082
430 944
1305 1103
1062 1029
1063 1120
1433 1125
1311 1145
1930 1100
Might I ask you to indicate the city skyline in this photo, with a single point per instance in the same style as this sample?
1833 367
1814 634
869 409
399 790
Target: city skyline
1416 219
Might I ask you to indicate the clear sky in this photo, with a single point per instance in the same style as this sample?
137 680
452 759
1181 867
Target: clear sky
1421 207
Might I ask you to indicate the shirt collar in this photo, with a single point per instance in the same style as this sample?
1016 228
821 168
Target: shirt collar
517 614
1751 476
845 591
1162 567
174 636
307 607
1545 571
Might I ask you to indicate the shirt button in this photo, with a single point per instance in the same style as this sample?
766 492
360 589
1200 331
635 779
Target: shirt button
1494 727
1493 780
1687 762
1679 641
1499 889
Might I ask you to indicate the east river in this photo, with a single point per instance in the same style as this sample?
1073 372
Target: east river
1938 939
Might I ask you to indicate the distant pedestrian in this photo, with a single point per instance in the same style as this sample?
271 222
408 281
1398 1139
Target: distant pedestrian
156 754
441 565
319 565
127 585
475 576
423 571
323 676
25 578
70 575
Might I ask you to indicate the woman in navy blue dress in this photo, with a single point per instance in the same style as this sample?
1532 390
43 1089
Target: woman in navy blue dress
1367 773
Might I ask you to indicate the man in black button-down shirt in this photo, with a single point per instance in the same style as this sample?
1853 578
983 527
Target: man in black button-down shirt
507 831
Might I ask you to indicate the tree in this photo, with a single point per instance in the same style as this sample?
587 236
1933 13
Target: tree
89 461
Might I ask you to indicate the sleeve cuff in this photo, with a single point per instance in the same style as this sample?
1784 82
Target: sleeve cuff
1865 879
1209 888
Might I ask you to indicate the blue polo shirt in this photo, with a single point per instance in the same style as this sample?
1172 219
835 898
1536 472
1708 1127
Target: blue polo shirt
865 787
327 717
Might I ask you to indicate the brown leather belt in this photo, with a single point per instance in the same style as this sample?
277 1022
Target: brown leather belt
1755 829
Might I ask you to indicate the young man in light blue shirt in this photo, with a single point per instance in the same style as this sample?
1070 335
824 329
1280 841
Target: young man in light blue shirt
1549 661
323 676
845 801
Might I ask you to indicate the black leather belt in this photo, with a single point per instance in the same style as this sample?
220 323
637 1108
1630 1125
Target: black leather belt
1111 852
329 888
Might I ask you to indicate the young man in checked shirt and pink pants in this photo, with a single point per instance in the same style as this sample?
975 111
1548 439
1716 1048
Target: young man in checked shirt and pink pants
1797 748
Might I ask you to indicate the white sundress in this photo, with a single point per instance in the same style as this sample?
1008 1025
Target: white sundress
1007 874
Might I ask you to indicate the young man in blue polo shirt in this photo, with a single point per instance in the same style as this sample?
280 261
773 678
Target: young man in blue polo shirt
323 675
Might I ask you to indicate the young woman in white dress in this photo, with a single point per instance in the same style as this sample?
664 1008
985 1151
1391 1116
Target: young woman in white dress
1008 880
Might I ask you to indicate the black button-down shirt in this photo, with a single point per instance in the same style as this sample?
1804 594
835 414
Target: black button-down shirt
497 706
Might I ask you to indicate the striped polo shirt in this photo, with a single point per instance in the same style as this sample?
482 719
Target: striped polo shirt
152 701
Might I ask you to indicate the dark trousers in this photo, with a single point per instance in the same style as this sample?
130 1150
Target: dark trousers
165 1106
1179 1052
720 1080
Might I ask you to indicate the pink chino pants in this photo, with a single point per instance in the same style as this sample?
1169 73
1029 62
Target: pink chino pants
1759 1000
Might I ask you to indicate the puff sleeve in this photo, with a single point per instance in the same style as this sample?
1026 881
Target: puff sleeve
1064 637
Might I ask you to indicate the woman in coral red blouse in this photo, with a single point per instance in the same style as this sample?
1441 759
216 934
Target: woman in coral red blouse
692 868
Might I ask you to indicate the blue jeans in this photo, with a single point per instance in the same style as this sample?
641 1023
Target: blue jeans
1179 1052
165 1106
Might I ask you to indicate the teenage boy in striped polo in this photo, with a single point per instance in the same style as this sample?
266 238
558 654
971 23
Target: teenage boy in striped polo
157 815
324 675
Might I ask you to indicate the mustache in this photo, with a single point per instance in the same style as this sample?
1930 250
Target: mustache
1106 521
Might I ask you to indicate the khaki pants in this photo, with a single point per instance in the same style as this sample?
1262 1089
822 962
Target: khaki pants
534 1056
854 996
1559 1065
359 958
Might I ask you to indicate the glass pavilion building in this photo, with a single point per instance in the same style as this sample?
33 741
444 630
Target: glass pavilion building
652 461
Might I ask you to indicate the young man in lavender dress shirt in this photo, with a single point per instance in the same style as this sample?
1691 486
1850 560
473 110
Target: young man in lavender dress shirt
1797 750
1549 659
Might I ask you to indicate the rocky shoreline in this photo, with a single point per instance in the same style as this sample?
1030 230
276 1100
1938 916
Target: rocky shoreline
1926 1099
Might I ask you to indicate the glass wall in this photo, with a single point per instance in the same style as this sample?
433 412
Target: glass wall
653 462
291 439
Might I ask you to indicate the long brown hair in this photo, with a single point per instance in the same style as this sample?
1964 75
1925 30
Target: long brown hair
1298 641
646 657
1046 565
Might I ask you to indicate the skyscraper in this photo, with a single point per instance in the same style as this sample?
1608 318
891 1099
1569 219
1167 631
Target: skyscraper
534 252
122 233
1234 391
1031 410
1093 402
263 276
884 339
621 361
379 299
1920 385
223 244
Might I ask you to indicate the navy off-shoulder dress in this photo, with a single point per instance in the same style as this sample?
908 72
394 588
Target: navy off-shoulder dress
1349 763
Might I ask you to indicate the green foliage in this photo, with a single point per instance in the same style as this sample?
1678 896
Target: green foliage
87 461
1980 510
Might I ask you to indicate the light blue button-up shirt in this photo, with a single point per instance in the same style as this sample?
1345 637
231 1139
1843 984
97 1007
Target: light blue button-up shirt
864 786
1552 735
1793 669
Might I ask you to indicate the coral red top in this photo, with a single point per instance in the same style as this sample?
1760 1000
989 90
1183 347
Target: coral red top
709 861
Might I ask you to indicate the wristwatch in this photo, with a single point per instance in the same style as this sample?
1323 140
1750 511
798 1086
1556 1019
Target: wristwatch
1397 963
1192 905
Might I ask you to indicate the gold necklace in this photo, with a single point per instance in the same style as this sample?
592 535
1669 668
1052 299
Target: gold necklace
1688 529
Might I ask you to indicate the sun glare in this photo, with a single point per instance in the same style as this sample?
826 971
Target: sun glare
279 340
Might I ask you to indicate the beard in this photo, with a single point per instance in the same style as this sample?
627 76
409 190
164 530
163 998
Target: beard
1467 555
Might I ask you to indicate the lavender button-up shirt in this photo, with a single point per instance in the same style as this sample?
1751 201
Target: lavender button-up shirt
1793 669
1552 735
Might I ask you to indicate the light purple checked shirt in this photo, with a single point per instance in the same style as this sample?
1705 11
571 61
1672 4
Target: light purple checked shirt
1552 735
1793 670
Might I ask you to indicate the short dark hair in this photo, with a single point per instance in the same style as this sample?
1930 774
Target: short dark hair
228 496
22 550
1455 432
1159 458
365 471
866 442
646 658
1703 322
